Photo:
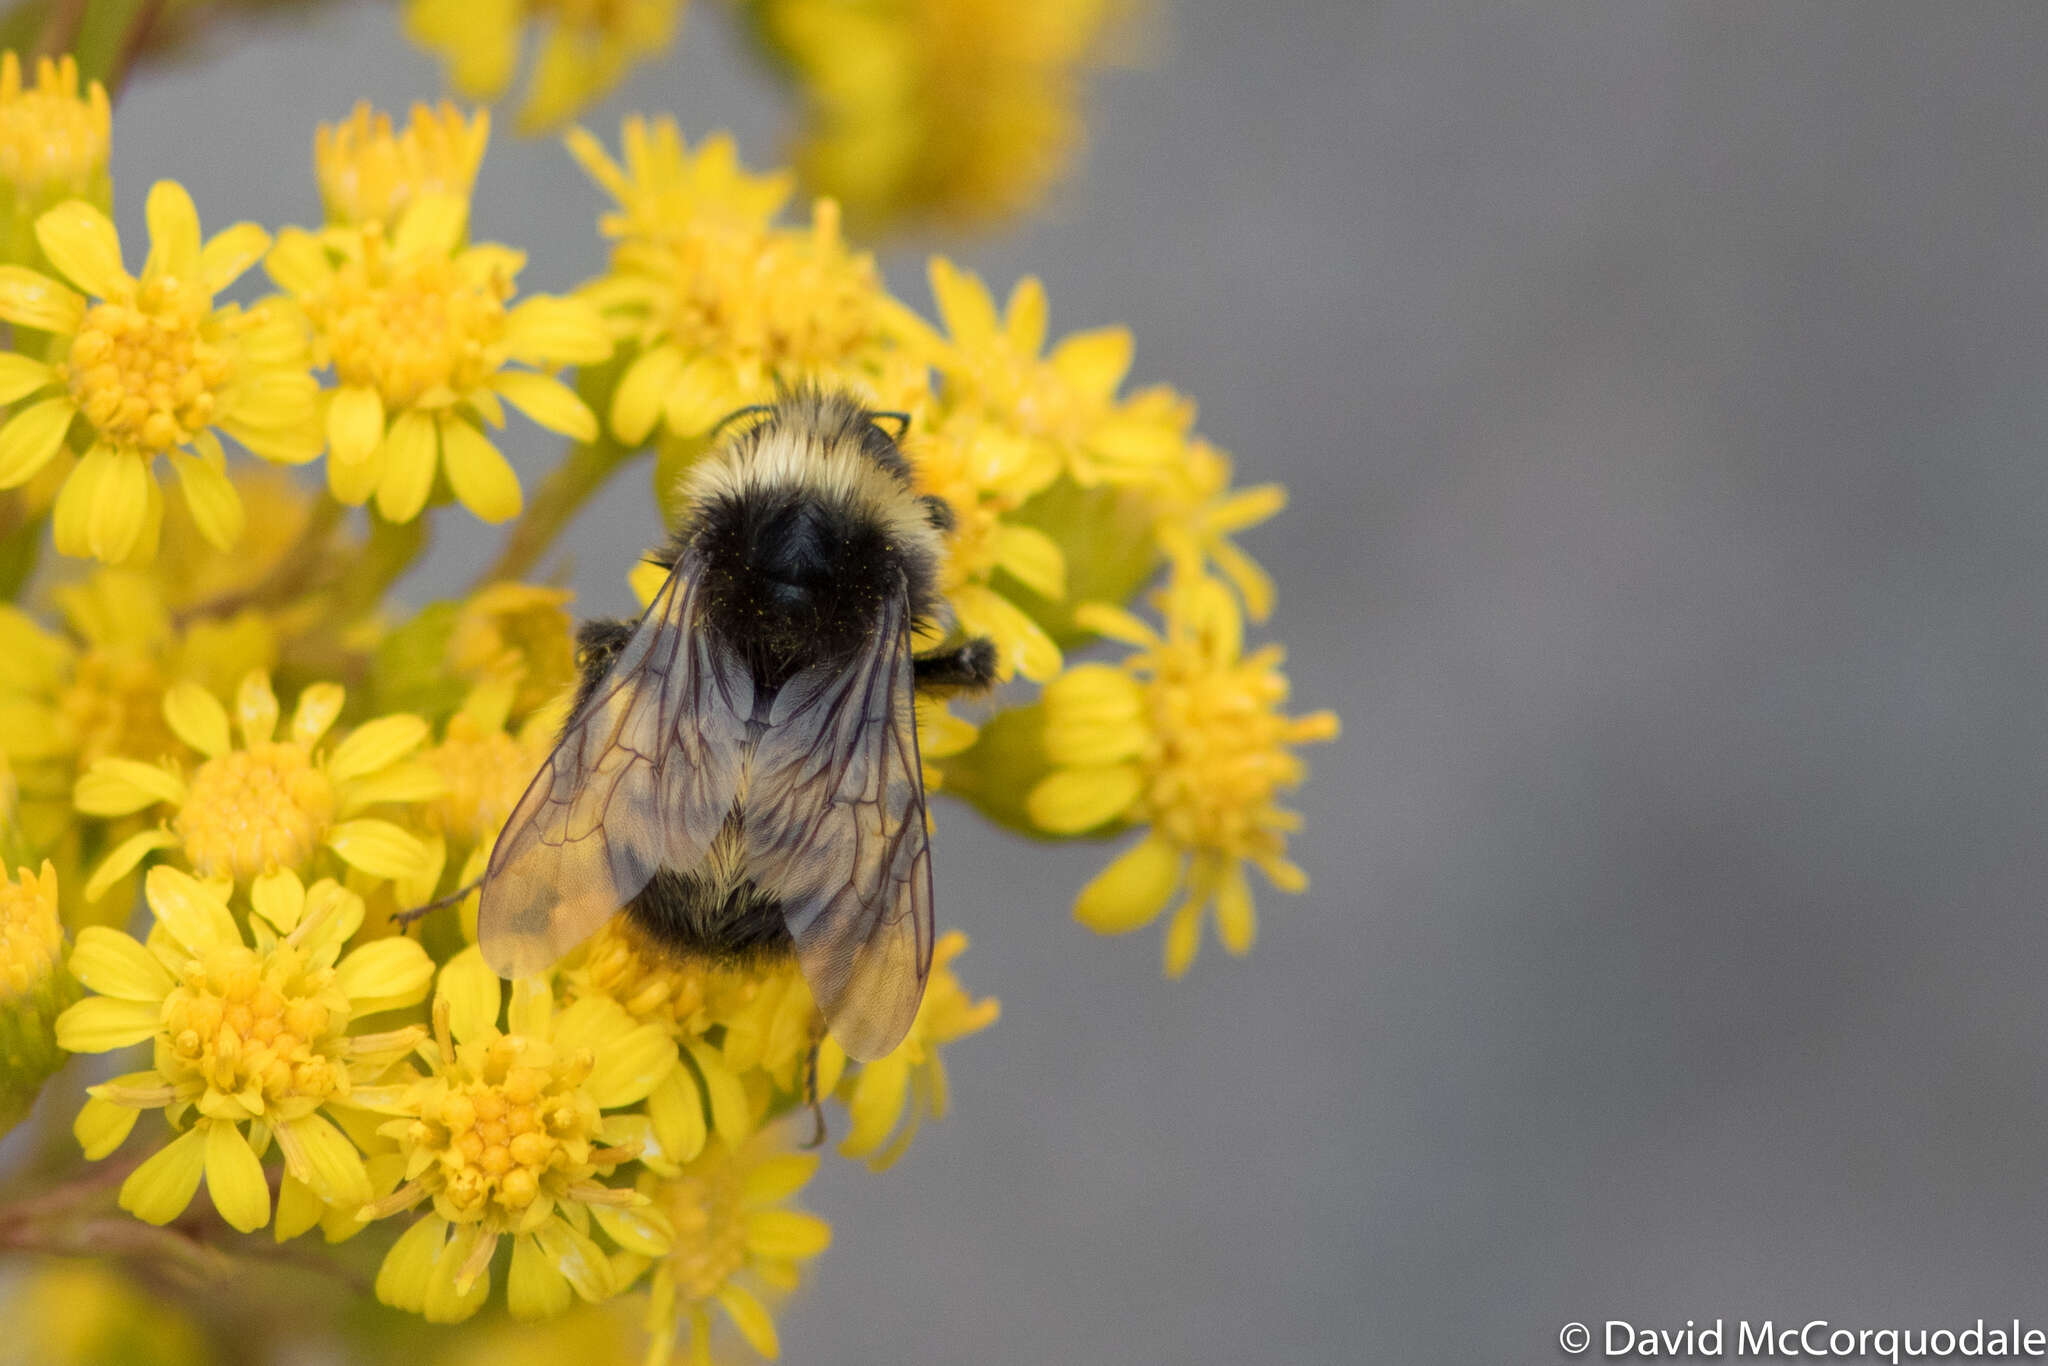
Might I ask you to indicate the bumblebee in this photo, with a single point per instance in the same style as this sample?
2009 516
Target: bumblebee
740 769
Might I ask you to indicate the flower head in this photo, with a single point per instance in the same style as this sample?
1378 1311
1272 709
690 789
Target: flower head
719 302
588 46
420 330
154 368
1186 737
272 803
54 141
369 172
34 987
252 1039
732 1236
913 1078
507 1137
519 634
960 109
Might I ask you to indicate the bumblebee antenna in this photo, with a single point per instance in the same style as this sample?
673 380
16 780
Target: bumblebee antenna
902 423
735 415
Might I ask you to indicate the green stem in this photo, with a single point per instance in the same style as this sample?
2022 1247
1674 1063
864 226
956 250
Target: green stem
131 45
393 548
60 27
566 489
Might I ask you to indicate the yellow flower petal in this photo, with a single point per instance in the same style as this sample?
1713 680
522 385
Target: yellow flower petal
1032 558
173 233
385 974
113 964
21 376
120 507
546 331
355 423
751 1318
318 705
234 1178
100 1024
964 303
431 224
474 994
788 1234
216 507
299 264
102 1126
578 1258
478 473
193 913
229 253
1133 890
407 1268
549 402
1183 938
82 244
408 475
637 402
376 744
1071 800
122 861
1236 923
317 1153
121 787
379 848
535 1290
30 298
632 1230
676 1110
280 898
298 1209
31 437
876 1105
159 1190
197 718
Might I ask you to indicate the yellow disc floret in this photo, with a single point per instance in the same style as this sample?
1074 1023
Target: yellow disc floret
254 810
142 372
31 937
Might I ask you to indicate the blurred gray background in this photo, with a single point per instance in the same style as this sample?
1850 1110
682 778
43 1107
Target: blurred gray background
1661 391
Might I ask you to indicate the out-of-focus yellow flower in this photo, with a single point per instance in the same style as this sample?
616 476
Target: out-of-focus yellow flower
154 368
53 146
369 171
34 987
484 768
1186 737
269 804
588 48
955 109
506 1135
516 633
420 330
733 1237
251 1039
74 1312
717 301
913 1078
1199 512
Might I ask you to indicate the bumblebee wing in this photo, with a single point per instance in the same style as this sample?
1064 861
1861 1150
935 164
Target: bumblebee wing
836 828
644 775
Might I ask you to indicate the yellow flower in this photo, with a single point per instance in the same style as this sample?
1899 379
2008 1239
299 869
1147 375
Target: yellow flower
154 368
1186 736
731 1231
506 1136
251 1039
53 147
420 329
719 303
957 109
368 172
1198 514
483 767
516 633
985 474
589 47
74 1312
34 987
270 804
913 1078
1062 405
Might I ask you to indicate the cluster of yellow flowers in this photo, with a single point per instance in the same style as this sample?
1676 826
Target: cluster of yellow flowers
963 110
231 760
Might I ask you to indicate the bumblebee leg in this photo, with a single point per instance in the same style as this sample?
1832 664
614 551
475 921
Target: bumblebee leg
811 1090
969 666
406 919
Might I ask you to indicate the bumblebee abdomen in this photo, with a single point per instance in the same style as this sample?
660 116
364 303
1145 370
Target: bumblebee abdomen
694 916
